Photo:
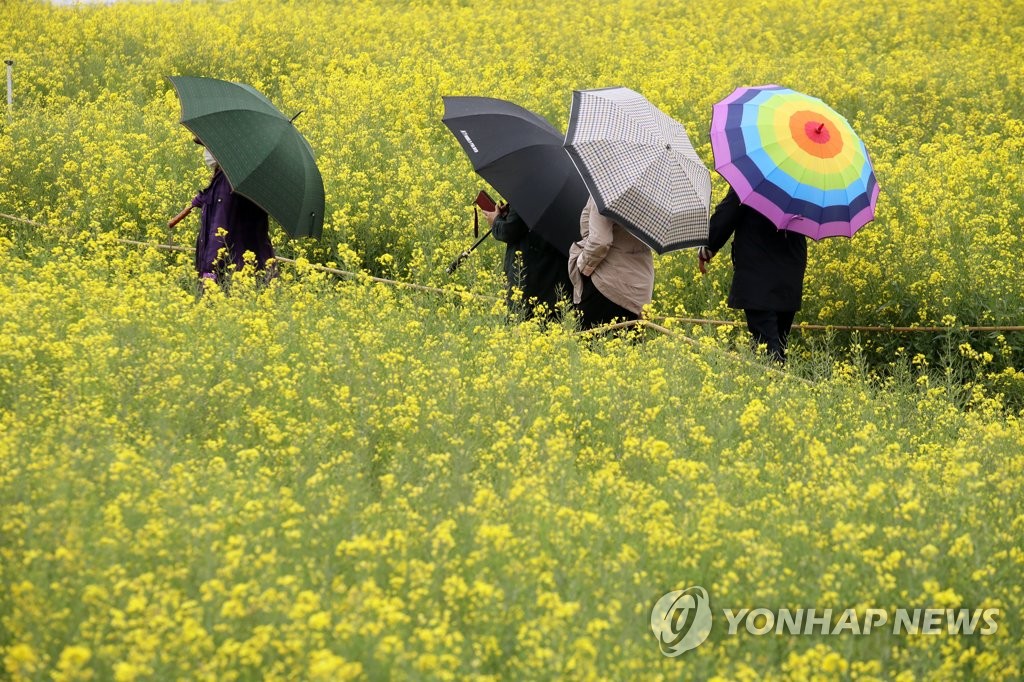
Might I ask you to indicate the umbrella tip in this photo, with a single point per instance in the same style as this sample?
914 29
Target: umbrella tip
292 119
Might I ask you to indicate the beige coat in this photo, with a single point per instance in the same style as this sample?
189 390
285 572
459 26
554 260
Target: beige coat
620 265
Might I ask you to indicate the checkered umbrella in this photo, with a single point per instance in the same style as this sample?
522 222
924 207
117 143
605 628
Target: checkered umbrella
640 167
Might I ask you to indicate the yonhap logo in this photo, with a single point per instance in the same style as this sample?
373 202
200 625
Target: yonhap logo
681 620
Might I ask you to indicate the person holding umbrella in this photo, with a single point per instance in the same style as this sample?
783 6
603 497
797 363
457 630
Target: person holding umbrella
519 153
795 169
612 271
532 265
262 166
768 270
648 191
230 225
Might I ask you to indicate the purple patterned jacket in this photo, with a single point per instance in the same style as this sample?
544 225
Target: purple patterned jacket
245 223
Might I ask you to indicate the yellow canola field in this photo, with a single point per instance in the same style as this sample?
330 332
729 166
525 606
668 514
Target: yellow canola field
314 480
324 480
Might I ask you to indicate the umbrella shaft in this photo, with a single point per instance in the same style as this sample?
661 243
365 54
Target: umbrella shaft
465 254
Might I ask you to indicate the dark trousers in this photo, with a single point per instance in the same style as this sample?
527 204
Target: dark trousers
596 310
771 327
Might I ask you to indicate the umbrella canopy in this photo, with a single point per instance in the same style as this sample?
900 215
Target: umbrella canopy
520 154
795 160
264 156
640 167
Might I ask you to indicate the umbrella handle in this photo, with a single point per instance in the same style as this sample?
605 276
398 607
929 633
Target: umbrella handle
465 254
178 218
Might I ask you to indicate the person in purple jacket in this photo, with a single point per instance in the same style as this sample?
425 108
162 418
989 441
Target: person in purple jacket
229 221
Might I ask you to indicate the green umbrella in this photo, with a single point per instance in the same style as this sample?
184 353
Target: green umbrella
263 155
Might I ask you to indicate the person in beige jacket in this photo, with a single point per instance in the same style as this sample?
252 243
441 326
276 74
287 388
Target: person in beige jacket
612 272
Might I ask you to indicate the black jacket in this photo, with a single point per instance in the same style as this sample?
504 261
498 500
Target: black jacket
531 263
768 263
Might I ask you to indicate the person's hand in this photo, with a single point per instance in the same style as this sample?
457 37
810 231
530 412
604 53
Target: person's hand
704 256
586 271
491 216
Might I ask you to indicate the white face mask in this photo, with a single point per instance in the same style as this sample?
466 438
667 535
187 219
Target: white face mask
208 157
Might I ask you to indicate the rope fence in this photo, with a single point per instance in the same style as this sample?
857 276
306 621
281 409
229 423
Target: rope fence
803 326
334 271
596 331
852 327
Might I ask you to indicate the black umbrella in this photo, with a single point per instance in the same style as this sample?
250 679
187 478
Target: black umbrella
521 155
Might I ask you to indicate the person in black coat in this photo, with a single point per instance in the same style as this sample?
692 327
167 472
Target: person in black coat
532 265
768 270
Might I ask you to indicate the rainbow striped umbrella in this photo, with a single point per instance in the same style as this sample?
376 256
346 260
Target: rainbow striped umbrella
795 160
